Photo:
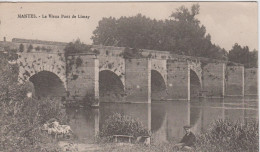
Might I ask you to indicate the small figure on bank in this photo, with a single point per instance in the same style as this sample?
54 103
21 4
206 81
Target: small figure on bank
188 141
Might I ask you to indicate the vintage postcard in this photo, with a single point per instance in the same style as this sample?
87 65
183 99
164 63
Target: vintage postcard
129 76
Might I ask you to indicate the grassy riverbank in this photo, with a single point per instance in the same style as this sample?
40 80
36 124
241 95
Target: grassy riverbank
221 136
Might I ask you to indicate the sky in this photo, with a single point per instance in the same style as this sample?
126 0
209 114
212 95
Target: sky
227 22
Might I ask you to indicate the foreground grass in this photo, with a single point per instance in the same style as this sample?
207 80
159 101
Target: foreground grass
164 147
121 147
222 136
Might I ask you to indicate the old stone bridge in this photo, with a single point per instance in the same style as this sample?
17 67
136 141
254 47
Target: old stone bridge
107 75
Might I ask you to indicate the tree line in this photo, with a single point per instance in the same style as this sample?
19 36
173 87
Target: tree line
181 34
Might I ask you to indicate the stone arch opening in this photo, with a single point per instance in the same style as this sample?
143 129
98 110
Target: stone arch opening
111 87
158 86
195 84
47 84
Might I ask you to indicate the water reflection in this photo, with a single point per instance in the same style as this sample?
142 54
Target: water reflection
165 119
84 123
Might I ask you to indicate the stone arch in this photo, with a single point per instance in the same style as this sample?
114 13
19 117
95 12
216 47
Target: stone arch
196 67
33 63
47 84
113 64
195 84
26 73
160 66
158 85
111 87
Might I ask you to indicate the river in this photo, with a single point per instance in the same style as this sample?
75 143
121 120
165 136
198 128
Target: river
165 118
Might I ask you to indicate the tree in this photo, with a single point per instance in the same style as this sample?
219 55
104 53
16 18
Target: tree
188 32
135 32
76 47
242 55
180 34
253 62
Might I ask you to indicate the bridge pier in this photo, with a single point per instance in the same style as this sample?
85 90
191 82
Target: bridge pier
178 81
213 78
251 81
235 81
82 76
138 80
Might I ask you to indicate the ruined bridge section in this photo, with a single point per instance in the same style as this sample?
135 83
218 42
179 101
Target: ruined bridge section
156 75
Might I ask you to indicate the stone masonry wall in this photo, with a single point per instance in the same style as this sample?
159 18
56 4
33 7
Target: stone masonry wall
251 81
214 79
138 80
82 76
178 76
234 81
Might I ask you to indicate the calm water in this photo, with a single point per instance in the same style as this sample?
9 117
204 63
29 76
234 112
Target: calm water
165 118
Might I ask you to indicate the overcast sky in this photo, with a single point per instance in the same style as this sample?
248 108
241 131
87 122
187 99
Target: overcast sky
227 22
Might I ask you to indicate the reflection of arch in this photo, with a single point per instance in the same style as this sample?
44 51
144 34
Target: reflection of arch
158 114
195 115
158 86
195 84
47 84
110 85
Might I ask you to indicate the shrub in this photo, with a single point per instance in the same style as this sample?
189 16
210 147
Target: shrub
38 48
89 100
78 62
129 53
21 48
225 135
30 48
21 117
97 52
120 124
21 121
77 47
